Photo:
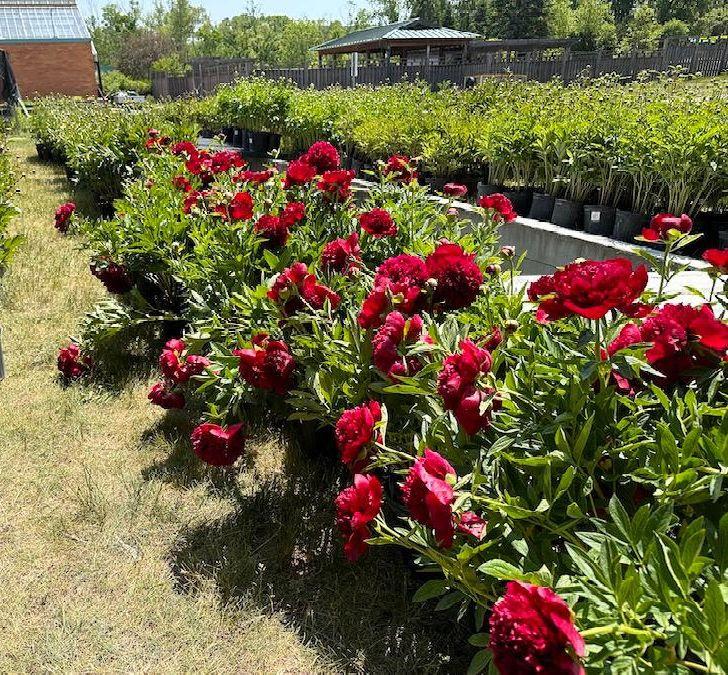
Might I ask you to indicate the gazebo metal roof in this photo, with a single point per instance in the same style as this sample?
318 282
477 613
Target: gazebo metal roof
41 21
410 32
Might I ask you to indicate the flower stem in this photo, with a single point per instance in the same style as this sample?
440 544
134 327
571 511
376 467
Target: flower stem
663 271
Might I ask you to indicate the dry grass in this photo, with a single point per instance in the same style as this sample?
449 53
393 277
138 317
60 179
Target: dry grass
118 551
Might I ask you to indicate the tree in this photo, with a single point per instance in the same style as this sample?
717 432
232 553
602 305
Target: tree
112 29
180 23
560 18
643 30
519 19
713 22
140 50
685 10
593 26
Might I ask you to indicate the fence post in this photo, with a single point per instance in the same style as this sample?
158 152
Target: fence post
565 62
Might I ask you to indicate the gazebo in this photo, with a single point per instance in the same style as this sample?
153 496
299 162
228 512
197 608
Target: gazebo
413 42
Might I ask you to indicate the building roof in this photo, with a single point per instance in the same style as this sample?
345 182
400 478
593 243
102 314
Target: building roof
41 21
410 30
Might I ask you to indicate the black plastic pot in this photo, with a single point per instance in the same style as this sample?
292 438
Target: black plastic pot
599 219
258 142
521 200
542 207
43 151
627 225
567 214
274 142
485 189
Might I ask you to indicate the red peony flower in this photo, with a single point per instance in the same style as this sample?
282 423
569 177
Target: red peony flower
398 284
224 160
295 286
500 205
218 446
472 524
165 398
72 364
184 148
200 164
356 507
182 184
299 172
323 157
336 185
474 407
378 222
589 289
401 168
241 207
256 177
683 338
114 277
192 201
455 190
269 364
63 216
532 632
342 255
460 371
397 332
458 276
293 213
273 230
663 223
355 434
177 365
495 339
718 258
428 495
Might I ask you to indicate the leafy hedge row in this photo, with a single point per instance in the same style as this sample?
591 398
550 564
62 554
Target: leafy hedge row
648 146
556 459
8 244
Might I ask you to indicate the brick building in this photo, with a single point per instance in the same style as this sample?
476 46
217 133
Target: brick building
49 47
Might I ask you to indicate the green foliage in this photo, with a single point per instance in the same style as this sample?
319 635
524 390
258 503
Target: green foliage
8 244
115 81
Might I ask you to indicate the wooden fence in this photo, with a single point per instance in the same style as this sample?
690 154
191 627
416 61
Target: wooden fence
707 58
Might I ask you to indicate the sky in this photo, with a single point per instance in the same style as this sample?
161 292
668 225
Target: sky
219 9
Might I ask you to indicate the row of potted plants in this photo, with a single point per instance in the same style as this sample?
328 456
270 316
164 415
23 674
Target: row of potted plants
554 455
637 149
602 157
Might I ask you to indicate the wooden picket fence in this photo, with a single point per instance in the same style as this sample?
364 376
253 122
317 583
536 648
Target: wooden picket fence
708 58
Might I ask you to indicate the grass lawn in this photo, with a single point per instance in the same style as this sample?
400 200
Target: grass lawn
118 551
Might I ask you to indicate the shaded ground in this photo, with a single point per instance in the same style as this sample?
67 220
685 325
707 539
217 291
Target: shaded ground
120 551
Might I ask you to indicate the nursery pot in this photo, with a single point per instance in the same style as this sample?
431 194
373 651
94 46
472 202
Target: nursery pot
599 220
43 151
521 200
228 134
258 142
485 189
274 142
542 207
567 214
627 225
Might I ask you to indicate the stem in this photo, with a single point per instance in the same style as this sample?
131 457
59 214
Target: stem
694 666
663 272
598 340
712 290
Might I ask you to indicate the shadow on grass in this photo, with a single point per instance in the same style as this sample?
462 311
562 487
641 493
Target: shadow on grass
280 550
